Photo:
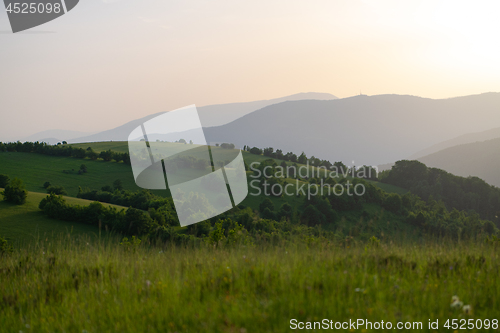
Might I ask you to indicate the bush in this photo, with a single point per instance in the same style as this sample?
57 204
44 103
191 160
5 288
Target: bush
5 247
118 185
46 185
15 192
4 180
107 188
57 190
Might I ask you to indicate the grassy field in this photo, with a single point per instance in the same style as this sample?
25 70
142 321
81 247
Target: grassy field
26 224
36 169
91 285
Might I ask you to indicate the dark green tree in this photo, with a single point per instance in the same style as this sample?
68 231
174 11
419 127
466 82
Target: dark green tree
266 203
4 180
15 192
302 158
57 190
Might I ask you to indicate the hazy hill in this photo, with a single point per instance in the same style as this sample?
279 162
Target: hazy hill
462 139
363 129
481 159
211 115
54 136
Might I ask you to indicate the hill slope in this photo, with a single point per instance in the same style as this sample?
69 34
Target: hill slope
462 139
55 136
479 159
35 170
25 223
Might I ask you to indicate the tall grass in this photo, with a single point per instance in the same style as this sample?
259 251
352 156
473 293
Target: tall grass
97 285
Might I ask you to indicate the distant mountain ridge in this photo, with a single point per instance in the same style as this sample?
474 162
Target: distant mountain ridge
480 159
364 129
462 139
211 115
54 136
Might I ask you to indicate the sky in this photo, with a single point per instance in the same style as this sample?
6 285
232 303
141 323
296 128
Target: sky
107 62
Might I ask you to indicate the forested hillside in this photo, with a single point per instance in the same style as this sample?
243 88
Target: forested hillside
331 214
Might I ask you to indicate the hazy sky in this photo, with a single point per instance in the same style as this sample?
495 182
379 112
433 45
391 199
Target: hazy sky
107 62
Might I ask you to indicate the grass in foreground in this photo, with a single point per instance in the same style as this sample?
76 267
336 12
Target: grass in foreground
81 285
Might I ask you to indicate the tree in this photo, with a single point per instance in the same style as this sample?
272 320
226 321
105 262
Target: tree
137 222
46 185
92 155
57 190
107 188
256 151
106 155
15 192
312 216
268 214
83 168
302 158
286 211
4 180
268 151
64 142
118 185
393 203
266 203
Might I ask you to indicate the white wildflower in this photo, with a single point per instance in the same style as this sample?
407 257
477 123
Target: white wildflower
467 309
456 305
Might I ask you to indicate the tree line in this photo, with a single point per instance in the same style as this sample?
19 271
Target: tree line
64 150
431 184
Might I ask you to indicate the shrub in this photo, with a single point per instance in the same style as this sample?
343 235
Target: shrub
4 180
15 192
5 247
46 185
131 245
107 188
393 203
57 190
118 185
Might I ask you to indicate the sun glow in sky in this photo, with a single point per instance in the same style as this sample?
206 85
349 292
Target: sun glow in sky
108 62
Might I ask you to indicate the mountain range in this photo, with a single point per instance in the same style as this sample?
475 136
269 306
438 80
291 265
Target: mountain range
364 129
211 115
54 136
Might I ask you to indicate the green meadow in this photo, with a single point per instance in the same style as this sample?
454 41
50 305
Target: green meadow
84 284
